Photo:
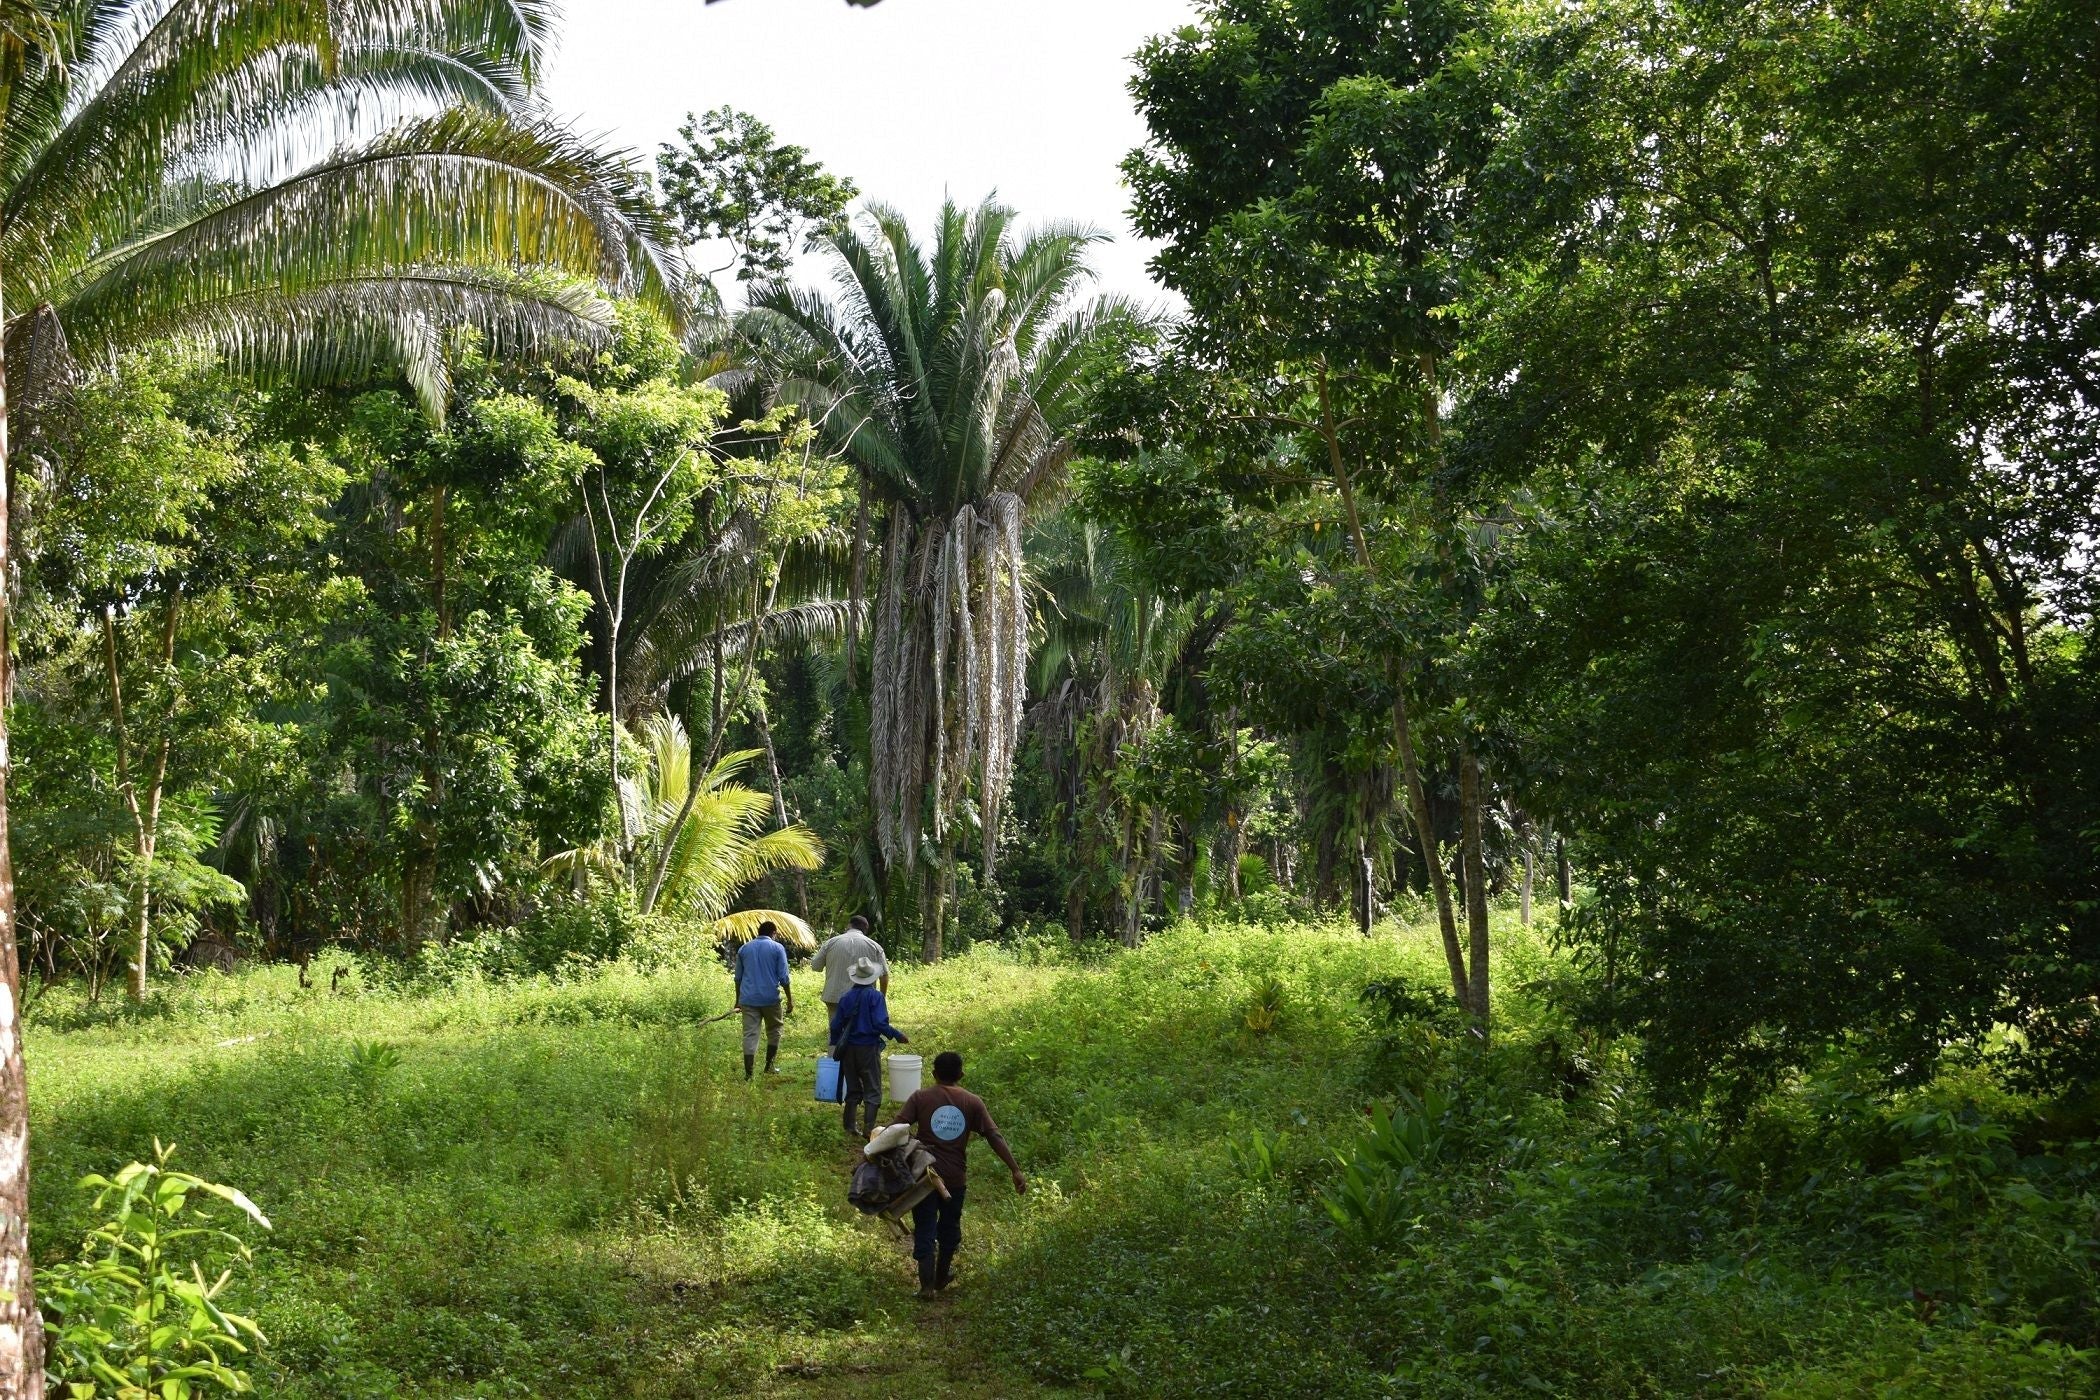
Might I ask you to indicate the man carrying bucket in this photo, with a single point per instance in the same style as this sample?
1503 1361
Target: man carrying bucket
858 1025
946 1115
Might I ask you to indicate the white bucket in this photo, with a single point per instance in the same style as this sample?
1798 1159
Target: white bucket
904 1076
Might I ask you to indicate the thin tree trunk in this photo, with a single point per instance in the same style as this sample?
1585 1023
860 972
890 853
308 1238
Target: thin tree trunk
1075 911
438 591
780 806
21 1328
1564 873
615 617
721 730
1235 816
718 720
1403 731
1524 889
145 815
1366 889
1476 877
857 587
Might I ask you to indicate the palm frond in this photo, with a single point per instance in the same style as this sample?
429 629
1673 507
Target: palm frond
201 168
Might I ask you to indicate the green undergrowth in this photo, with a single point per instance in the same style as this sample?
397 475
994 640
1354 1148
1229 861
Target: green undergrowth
566 1188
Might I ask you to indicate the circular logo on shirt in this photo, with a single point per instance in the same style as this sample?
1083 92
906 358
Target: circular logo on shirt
948 1123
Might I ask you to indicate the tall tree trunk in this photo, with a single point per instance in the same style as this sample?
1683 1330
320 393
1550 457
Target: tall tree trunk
720 732
1235 816
1564 874
780 806
1524 889
939 883
1403 728
1185 875
1366 889
857 586
1476 878
1075 911
418 883
438 592
21 1329
615 605
145 811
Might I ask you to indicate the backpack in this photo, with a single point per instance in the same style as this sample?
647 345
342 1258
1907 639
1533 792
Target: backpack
882 1183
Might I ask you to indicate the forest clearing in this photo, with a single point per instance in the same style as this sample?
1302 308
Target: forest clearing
567 1187
1430 663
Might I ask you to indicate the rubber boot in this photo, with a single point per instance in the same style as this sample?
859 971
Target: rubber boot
747 1066
944 1270
772 1052
929 1279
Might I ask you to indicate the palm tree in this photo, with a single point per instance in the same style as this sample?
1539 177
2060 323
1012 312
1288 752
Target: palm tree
163 174
165 182
718 841
949 378
1109 645
195 168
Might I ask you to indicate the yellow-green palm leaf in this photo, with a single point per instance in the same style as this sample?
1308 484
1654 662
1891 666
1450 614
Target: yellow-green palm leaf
724 845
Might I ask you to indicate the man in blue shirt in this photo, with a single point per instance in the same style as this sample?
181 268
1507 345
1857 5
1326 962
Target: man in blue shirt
761 976
858 1025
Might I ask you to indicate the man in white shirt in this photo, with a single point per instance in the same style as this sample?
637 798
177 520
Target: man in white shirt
836 957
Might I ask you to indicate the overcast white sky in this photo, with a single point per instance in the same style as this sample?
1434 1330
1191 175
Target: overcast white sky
912 99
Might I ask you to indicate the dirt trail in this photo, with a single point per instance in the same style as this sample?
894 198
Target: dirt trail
918 1349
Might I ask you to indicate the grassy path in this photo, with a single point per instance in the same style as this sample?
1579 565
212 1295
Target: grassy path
912 1347
905 1346
570 1189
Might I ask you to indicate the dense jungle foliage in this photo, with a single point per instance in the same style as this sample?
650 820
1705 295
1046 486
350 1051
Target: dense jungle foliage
1505 796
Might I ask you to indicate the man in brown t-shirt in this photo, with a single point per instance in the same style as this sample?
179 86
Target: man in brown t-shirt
946 1116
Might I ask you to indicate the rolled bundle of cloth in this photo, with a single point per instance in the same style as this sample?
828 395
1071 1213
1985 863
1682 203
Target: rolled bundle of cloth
894 1174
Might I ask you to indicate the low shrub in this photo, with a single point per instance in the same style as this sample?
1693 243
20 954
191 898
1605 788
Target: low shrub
137 1314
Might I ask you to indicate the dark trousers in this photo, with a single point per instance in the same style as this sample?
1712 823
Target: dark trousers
861 1067
936 1233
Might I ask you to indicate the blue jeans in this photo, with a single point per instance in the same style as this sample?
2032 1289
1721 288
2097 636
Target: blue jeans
936 1233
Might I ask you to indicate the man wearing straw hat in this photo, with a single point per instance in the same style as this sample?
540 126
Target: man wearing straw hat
859 1024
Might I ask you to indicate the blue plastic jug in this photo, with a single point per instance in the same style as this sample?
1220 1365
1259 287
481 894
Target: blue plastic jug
831 1084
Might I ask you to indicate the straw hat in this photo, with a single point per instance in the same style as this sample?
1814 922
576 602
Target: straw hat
888 1139
863 972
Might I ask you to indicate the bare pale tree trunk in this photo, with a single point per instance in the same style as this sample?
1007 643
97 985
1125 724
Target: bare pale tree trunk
1473 855
1564 874
615 600
1524 889
21 1328
1367 887
145 811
